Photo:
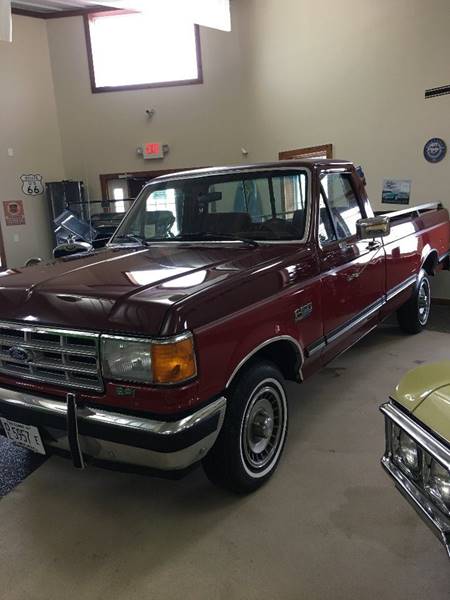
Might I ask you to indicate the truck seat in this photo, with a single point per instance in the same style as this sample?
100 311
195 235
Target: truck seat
232 222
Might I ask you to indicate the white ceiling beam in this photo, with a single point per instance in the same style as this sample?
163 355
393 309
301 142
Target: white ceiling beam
209 13
51 5
65 5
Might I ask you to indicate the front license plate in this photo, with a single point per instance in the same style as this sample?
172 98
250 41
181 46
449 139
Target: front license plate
26 436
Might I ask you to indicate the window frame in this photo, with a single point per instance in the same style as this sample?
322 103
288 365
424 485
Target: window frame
139 86
361 206
334 240
244 174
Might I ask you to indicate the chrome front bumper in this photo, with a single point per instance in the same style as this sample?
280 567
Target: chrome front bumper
106 436
438 522
431 515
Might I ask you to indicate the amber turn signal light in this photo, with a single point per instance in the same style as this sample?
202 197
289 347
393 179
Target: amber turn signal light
173 362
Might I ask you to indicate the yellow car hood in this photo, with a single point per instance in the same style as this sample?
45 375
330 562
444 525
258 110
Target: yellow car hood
425 391
420 383
435 412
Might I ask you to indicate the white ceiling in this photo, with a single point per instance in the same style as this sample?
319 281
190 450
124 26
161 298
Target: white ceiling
52 5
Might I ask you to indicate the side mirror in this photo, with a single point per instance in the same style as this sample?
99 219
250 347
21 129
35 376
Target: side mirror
71 247
374 227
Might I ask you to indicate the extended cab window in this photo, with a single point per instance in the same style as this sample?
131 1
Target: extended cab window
264 207
342 203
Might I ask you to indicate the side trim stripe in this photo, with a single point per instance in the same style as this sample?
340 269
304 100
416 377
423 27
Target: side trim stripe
320 343
315 347
401 287
356 320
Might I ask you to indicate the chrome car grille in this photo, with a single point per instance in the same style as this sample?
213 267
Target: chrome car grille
47 355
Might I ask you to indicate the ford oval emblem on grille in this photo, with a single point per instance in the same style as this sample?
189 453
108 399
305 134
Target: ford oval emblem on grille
18 353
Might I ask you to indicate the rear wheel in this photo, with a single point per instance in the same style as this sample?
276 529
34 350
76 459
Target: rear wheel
252 438
413 315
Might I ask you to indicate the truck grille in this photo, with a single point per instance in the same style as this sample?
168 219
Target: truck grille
47 355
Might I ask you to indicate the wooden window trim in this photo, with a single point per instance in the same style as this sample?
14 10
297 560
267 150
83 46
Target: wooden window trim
140 86
300 153
59 14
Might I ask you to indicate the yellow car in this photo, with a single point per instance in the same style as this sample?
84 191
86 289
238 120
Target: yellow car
417 454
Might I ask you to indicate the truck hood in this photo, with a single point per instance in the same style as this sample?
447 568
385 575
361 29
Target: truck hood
425 392
124 289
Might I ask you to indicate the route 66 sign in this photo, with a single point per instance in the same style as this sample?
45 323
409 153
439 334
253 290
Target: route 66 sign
32 185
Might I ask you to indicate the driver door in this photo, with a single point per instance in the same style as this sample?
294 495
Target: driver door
352 270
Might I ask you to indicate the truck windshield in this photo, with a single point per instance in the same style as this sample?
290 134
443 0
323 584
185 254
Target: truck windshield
242 206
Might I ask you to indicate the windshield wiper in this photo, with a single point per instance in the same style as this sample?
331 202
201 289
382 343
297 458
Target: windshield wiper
132 238
207 235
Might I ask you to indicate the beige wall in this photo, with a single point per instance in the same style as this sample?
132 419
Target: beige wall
28 125
201 123
353 73
292 73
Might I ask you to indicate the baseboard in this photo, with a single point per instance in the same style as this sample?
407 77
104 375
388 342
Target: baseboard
444 301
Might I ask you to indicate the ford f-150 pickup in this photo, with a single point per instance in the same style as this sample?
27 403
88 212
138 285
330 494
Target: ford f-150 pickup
172 345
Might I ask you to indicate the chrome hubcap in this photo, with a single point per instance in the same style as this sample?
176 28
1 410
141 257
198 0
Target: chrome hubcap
424 302
263 426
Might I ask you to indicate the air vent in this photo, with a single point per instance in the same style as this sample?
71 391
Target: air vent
439 91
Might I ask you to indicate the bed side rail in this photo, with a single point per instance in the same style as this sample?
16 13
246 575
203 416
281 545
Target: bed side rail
412 211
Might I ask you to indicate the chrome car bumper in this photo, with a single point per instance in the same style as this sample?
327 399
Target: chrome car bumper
431 514
112 437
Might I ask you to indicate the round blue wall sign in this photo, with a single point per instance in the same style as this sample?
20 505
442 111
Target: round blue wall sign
435 150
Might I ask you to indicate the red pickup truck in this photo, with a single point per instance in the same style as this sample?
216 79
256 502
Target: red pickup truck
172 345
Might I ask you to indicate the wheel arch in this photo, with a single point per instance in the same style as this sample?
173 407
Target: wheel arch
430 262
284 351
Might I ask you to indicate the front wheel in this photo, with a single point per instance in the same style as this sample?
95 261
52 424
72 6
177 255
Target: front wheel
413 315
253 434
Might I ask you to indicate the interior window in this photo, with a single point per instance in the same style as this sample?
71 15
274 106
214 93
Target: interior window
161 211
342 203
278 203
292 192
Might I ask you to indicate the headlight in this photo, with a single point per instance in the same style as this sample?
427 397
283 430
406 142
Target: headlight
405 451
149 361
438 484
126 359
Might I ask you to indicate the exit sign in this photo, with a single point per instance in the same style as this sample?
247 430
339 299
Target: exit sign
153 150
